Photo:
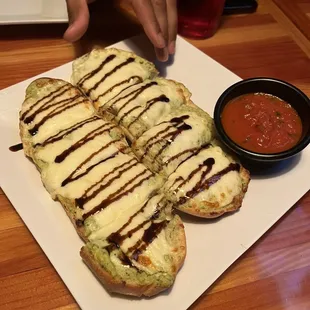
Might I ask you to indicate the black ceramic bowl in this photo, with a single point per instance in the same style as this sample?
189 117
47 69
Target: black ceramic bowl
285 91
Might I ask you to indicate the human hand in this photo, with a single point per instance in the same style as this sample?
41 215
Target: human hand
158 19
78 19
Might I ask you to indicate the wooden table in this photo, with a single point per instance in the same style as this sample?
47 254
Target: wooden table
275 273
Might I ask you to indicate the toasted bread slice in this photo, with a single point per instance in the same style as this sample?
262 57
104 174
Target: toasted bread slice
175 137
145 254
41 112
86 164
208 184
104 73
170 134
139 107
128 92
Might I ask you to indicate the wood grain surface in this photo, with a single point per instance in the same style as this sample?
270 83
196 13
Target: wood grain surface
275 41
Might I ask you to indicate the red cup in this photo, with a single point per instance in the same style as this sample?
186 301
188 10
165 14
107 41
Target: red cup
199 19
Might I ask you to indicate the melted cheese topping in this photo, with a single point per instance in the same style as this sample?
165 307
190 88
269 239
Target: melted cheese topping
221 193
81 158
159 251
114 85
186 142
159 254
92 61
76 109
112 189
141 106
175 149
50 151
138 212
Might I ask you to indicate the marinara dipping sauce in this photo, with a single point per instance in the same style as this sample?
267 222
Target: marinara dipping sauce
262 123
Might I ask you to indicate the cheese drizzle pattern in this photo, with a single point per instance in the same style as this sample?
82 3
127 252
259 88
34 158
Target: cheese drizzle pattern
117 237
91 74
71 177
120 170
118 194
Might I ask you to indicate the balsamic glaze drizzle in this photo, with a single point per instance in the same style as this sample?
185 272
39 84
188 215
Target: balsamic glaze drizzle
118 238
135 93
120 170
90 136
203 185
92 73
149 104
119 193
116 68
50 95
65 132
168 138
33 131
45 107
16 147
135 77
148 237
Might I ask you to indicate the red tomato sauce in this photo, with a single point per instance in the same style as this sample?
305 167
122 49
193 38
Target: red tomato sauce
262 123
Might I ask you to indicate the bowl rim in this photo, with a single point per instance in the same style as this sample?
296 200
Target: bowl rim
302 144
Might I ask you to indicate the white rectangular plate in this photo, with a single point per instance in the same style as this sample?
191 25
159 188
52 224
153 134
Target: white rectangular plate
32 11
212 245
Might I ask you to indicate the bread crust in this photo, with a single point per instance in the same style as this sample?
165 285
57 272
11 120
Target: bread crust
81 60
195 209
113 284
24 135
182 91
175 230
97 50
120 286
201 208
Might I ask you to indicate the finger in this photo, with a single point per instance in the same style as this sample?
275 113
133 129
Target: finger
78 19
162 54
160 10
145 13
172 24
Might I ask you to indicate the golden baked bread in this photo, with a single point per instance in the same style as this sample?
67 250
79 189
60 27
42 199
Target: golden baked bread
169 133
120 150
134 244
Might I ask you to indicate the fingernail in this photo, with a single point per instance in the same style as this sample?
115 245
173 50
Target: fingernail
161 42
162 54
172 47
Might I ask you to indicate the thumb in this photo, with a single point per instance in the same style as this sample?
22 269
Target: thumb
78 19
